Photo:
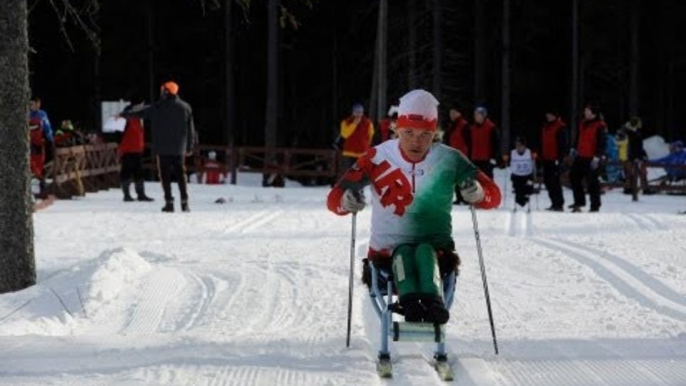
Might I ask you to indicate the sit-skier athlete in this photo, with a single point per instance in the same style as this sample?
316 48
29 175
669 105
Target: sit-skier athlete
412 182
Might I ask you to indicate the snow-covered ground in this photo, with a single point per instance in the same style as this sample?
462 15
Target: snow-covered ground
254 292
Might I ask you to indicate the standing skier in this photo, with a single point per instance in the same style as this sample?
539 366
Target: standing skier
412 180
522 166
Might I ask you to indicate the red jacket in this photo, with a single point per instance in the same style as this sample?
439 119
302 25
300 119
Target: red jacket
357 143
385 129
213 173
553 141
133 140
36 132
459 136
592 138
484 141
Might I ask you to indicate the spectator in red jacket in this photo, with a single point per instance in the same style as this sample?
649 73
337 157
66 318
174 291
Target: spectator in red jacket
458 137
387 126
131 152
553 150
484 142
214 171
357 132
592 140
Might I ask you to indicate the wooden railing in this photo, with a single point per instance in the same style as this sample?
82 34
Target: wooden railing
289 162
76 170
286 162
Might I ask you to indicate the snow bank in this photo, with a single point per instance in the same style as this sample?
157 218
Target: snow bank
70 301
115 270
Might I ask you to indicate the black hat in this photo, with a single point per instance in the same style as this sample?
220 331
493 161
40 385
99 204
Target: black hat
520 139
552 111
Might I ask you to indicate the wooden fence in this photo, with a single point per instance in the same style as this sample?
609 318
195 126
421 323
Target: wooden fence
77 170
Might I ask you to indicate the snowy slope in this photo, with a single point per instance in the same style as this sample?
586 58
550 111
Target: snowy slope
254 292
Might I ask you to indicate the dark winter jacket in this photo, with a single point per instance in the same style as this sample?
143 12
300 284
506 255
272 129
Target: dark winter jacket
635 149
173 131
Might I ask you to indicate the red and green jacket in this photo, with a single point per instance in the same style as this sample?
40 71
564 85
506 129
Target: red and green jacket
411 201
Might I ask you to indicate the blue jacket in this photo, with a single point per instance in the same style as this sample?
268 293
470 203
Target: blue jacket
678 158
45 122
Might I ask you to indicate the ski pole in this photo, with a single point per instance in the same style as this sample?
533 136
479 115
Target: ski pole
352 275
536 192
483 277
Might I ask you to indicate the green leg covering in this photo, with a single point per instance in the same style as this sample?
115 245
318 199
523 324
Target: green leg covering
428 274
404 270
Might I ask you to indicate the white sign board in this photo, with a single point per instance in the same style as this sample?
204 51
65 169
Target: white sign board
110 110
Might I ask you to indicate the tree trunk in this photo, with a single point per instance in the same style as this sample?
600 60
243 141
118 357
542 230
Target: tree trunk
382 79
17 264
272 109
438 49
633 85
334 83
229 104
574 102
152 86
374 97
505 97
412 42
479 50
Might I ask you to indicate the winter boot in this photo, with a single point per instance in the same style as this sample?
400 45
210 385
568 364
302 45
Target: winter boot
184 206
414 311
435 310
125 185
140 191
168 207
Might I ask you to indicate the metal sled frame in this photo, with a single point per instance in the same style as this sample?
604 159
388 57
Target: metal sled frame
404 331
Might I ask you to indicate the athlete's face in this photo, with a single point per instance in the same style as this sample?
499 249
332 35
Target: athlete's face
415 143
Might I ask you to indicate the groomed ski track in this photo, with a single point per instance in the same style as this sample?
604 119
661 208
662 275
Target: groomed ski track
254 292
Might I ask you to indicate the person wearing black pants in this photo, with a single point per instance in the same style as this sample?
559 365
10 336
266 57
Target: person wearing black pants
551 180
583 168
522 172
172 166
130 150
132 170
590 155
173 138
553 150
486 167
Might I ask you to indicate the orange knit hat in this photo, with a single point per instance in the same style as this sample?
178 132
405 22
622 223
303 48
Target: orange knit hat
171 87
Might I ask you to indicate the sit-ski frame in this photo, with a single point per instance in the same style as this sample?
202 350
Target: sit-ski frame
403 331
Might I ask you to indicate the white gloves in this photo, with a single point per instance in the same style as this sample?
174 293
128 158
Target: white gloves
353 201
472 192
595 162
